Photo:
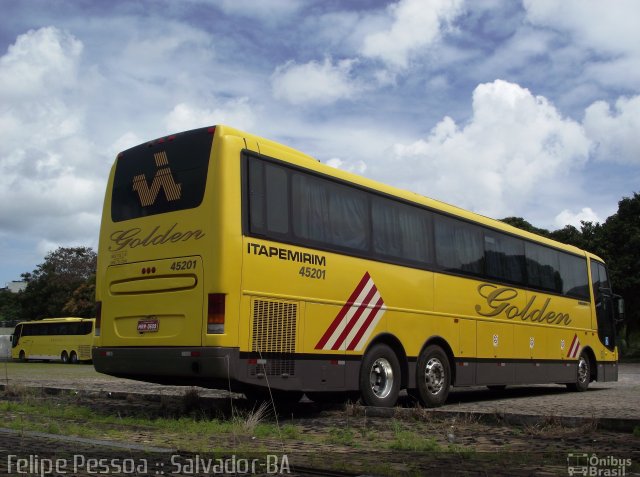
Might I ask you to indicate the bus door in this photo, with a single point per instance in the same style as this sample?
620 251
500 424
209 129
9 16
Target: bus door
604 304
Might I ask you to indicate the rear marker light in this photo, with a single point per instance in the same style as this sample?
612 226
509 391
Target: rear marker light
98 317
107 354
190 354
215 314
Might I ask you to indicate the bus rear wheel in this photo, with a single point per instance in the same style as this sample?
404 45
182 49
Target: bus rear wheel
583 374
64 357
380 377
433 376
73 358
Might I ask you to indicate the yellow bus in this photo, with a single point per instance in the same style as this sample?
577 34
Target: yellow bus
54 339
227 260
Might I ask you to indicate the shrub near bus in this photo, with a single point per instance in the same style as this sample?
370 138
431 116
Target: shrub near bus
228 260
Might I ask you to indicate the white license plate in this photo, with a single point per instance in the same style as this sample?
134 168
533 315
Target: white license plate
148 325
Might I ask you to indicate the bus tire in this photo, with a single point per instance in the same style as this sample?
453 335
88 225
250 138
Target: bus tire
380 377
73 358
583 374
433 376
64 357
22 356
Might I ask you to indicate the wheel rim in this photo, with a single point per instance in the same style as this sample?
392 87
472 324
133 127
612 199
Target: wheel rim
583 370
434 376
381 378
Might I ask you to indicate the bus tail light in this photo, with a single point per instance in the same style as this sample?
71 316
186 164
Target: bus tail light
98 317
215 314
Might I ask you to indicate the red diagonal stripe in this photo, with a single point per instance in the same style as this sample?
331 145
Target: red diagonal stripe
366 324
571 353
343 311
354 318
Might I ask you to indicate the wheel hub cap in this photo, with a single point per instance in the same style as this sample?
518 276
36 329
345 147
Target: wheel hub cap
434 376
381 378
583 369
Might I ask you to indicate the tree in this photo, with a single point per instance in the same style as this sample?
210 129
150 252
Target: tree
622 242
53 283
9 306
522 224
82 302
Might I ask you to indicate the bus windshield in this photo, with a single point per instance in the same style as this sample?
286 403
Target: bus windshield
177 171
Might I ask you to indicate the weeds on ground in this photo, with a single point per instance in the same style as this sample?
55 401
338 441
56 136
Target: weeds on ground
411 441
344 436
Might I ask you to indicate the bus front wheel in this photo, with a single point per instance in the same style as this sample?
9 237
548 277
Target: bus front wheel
22 357
73 358
64 357
433 376
380 377
583 374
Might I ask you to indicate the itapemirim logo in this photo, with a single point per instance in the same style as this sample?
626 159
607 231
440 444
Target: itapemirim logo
163 180
593 465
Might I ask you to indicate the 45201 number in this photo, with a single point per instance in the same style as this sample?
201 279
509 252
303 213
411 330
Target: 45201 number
183 265
310 272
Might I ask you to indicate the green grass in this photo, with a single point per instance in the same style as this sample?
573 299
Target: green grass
185 432
344 436
408 440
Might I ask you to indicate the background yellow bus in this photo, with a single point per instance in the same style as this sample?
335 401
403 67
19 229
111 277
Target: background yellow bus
54 339
228 260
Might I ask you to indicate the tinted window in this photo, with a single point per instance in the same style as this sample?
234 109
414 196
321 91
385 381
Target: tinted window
504 257
401 231
573 271
543 267
268 198
459 246
161 177
329 213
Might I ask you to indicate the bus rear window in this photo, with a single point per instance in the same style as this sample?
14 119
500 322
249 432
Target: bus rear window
162 176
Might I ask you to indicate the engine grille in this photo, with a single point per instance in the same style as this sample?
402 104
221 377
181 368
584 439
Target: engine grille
84 351
274 332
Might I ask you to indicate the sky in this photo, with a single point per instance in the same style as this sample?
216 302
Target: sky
508 108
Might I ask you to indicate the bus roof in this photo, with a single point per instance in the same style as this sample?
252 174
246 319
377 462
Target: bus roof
298 158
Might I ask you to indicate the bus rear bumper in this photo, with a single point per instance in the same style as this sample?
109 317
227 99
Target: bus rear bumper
207 367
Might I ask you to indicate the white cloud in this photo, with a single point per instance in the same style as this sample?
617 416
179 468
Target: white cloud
235 112
414 25
515 147
49 173
314 82
39 62
359 167
609 29
566 217
616 133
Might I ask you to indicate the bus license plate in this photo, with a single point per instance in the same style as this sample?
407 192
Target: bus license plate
148 325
